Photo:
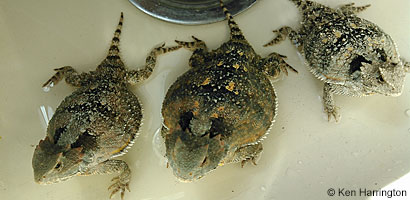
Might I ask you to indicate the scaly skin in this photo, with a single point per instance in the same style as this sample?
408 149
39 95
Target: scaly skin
94 124
221 108
351 55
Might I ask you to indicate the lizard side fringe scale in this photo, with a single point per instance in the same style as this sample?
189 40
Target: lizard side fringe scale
222 107
96 123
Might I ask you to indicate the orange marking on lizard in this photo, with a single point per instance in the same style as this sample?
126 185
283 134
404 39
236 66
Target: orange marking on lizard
196 104
231 86
206 81
121 148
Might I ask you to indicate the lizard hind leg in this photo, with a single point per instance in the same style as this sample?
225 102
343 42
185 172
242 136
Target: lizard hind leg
350 9
71 77
57 77
134 76
199 49
275 64
192 46
282 34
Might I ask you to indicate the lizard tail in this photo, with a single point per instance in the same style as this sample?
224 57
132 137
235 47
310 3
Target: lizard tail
114 51
236 33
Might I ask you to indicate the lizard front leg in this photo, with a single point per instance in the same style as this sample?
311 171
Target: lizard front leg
121 182
329 103
245 154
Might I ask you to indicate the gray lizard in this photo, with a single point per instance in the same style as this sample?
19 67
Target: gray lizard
94 124
351 55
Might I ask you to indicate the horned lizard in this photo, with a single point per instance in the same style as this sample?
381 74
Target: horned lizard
96 123
222 107
351 55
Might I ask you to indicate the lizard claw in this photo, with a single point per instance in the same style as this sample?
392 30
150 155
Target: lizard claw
251 159
285 66
332 111
57 77
119 186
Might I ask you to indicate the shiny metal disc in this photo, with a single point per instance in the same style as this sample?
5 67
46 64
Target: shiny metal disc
190 12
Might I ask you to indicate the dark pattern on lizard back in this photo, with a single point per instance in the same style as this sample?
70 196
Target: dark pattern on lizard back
94 124
221 108
351 55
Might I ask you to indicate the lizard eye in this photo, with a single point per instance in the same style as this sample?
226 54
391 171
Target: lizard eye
380 79
382 54
58 165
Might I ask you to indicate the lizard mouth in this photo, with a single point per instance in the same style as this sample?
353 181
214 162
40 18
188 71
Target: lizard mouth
41 180
46 180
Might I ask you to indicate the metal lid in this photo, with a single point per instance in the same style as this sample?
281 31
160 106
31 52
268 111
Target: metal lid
190 12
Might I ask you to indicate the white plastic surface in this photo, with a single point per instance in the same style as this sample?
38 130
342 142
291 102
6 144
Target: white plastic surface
304 155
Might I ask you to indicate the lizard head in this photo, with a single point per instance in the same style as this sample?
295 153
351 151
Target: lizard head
379 69
52 164
384 78
193 152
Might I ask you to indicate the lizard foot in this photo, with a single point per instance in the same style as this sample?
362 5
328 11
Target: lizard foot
119 186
